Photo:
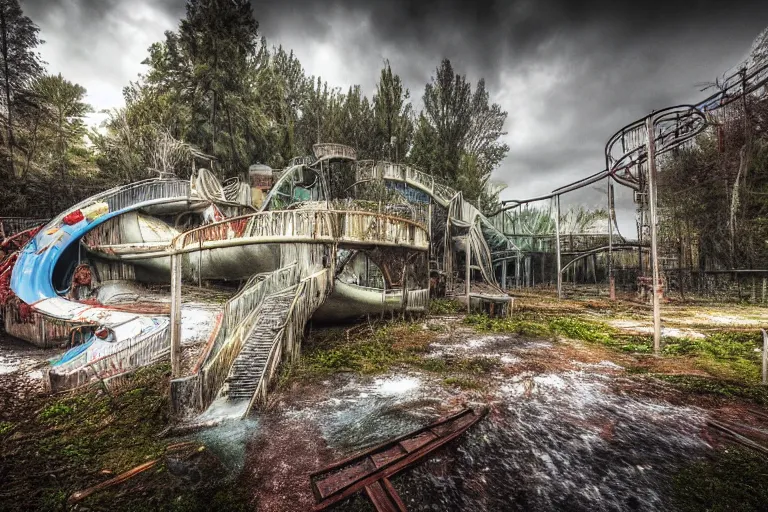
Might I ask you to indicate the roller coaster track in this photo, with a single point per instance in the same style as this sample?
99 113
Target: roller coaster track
626 154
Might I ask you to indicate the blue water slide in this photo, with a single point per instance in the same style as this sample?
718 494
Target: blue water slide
32 277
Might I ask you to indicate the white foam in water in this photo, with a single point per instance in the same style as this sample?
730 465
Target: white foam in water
395 386
563 440
551 381
8 366
610 365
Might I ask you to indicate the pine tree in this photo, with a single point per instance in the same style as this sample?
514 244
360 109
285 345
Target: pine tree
394 116
20 64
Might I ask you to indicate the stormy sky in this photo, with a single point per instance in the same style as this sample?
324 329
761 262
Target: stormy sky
570 73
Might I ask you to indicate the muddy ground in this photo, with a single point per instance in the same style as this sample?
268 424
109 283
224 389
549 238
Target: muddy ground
583 417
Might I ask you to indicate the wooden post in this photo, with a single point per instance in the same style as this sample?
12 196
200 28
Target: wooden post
654 244
557 247
468 249
765 357
176 264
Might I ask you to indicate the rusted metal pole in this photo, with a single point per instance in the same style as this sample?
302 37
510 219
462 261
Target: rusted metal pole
557 247
654 244
468 249
176 263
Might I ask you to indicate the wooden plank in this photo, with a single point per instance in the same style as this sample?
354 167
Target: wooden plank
414 443
393 494
344 477
384 497
381 459
355 486
367 452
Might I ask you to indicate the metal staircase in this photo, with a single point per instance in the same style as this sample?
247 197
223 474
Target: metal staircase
249 365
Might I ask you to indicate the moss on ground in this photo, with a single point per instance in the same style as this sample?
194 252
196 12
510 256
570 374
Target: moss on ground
727 354
439 307
372 351
704 385
377 349
73 441
463 383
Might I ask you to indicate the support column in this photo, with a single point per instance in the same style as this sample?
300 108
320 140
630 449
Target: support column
654 246
468 274
176 264
611 279
557 243
504 274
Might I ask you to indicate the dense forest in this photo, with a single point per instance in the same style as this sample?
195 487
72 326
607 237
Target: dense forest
215 91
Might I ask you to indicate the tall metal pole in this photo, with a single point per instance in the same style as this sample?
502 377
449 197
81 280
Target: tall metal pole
176 262
654 246
611 279
468 248
557 244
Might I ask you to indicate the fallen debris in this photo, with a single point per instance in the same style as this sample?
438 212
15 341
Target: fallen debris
79 496
371 469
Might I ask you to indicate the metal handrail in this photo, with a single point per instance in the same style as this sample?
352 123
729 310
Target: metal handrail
331 150
307 226
307 301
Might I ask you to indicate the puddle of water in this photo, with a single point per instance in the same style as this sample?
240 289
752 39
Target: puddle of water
555 441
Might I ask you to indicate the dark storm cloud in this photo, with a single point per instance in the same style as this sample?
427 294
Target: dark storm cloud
570 73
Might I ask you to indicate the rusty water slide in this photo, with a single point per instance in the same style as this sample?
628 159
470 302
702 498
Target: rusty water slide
122 228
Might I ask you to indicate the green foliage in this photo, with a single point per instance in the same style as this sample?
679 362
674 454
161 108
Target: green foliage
458 134
388 345
20 64
5 427
509 325
578 329
76 436
462 383
394 116
444 307
56 411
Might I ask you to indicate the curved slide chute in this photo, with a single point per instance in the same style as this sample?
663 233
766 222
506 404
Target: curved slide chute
127 339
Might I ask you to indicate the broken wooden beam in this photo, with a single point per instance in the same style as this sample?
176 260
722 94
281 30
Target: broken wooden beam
370 469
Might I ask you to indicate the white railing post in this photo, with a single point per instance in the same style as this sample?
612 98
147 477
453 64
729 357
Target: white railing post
176 264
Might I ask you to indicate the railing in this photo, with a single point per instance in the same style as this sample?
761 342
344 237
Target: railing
416 300
305 226
240 315
368 170
460 212
11 225
391 296
125 196
140 350
414 212
310 294
328 151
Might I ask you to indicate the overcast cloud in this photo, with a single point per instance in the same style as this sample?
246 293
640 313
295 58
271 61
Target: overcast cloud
570 73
